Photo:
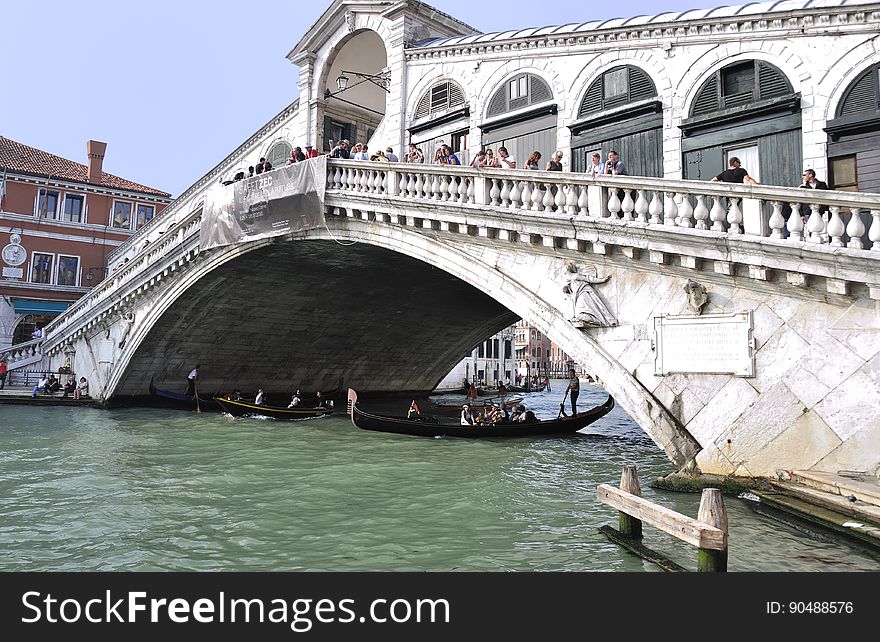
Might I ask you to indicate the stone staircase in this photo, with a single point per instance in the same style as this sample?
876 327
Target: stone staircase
846 502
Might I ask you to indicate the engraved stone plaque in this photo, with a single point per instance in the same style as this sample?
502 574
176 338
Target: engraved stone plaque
708 344
13 273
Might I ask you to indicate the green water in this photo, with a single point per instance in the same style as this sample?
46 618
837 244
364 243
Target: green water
143 489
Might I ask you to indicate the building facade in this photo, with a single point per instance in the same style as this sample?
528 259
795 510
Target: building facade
58 222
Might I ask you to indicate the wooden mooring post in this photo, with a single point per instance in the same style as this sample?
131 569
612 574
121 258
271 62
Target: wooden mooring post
708 532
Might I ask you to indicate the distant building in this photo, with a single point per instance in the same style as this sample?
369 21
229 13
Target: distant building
490 362
560 362
532 351
59 220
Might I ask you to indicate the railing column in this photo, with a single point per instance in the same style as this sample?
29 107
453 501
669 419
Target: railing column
393 187
597 199
629 482
712 512
482 187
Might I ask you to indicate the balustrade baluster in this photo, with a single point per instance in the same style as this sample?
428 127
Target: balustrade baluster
685 212
471 191
559 200
571 205
641 208
583 200
655 208
717 214
515 195
855 229
420 186
549 201
504 196
670 209
701 213
435 188
495 193
444 187
795 223
628 205
402 187
613 204
815 224
337 178
366 182
526 195
874 232
777 221
537 197
735 217
836 228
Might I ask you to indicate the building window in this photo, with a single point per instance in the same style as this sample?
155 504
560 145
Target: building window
47 204
68 270
843 174
279 153
74 205
41 268
145 214
122 215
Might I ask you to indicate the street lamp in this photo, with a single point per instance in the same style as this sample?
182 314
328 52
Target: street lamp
382 80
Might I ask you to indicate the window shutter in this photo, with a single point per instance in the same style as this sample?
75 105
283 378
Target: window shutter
862 96
707 99
771 81
498 104
424 106
539 91
640 85
593 99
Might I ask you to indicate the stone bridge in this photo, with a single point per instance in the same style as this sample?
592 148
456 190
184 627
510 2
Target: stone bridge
741 341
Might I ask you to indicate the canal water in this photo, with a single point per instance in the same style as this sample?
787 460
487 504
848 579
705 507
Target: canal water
140 489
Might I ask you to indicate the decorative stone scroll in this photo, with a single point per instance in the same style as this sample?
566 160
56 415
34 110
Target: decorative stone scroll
708 344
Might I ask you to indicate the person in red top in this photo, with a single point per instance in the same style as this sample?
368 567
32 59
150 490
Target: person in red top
311 153
3 369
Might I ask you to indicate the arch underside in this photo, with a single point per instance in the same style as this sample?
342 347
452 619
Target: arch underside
316 314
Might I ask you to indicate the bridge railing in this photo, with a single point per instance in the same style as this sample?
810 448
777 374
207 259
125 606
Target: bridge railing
22 355
799 215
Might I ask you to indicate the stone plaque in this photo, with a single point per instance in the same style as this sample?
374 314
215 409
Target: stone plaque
708 344
13 273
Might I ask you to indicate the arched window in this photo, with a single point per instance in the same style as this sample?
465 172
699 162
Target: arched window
616 87
518 92
739 84
863 95
442 97
278 153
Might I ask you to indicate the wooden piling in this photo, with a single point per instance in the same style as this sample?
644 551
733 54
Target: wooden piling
629 482
712 512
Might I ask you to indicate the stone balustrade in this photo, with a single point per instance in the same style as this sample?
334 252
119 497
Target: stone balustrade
796 215
23 354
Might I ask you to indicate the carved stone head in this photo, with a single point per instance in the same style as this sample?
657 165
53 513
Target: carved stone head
697 297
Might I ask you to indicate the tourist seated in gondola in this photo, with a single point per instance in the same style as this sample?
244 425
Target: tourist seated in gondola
258 401
321 402
295 400
413 412
527 417
467 417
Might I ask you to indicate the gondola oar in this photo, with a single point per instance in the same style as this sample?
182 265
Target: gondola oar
196 389
562 406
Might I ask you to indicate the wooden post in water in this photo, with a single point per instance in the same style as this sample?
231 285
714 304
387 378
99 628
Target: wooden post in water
712 512
629 482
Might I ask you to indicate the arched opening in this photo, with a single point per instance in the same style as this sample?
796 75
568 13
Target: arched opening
441 116
521 116
355 87
854 136
746 109
620 111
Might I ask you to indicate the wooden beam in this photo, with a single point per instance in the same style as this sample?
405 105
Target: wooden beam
635 546
681 526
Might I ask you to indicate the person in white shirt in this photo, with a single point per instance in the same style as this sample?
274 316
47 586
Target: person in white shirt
259 400
41 386
364 154
507 161
596 166
191 381
467 418
295 400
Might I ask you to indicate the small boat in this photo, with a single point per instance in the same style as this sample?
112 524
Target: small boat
425 426
250 409
182 401
527 388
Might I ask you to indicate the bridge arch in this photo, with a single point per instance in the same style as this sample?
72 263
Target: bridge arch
501 279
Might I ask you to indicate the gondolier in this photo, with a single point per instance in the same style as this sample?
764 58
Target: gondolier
191 381
574 388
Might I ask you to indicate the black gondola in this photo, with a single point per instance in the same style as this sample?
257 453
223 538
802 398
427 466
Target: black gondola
527 388
425 427
171 399
249 409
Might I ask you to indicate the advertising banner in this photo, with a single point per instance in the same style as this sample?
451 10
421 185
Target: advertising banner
281 201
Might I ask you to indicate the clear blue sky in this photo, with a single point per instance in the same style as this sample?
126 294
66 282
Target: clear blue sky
173 87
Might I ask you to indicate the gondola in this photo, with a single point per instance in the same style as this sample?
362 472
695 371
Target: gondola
181 401
247 408
535 388
430 427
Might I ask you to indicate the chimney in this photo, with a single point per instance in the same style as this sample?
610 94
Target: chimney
95 150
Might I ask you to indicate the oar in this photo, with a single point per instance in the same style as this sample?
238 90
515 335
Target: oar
196 388
562 405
